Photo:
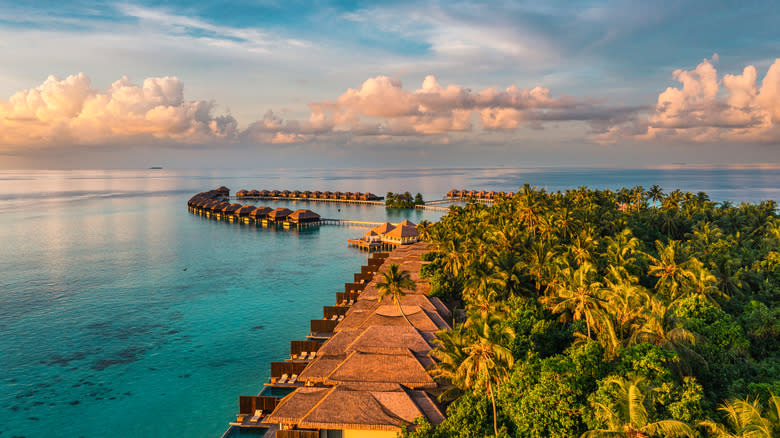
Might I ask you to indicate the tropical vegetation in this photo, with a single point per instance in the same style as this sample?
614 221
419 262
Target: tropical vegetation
403 200
629 313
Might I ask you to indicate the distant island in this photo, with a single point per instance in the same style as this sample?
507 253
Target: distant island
155 168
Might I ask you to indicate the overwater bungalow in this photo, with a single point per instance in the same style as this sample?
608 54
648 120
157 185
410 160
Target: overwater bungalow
402 234
285 194
279 214
232 208
452 193
265 193
276 193
245 210
260 212
253 193
317 194
303 217
224 191
365 410
219 206
296 194
327 194
306 194
241 193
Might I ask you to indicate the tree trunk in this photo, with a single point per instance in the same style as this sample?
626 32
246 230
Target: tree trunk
401 311
493 400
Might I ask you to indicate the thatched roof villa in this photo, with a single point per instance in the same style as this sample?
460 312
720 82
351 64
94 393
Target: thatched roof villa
364 410
245 210
303 216
279 214
260 212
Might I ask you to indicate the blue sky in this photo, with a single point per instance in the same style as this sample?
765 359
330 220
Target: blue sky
273 79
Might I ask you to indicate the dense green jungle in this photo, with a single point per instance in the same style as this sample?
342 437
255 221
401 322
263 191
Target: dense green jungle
629 313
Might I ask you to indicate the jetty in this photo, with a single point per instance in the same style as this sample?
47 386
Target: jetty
363 370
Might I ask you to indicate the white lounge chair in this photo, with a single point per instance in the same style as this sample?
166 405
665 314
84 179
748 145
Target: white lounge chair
312 355
334 317
341 317
351 302
302 356
293 379
283 379
255 418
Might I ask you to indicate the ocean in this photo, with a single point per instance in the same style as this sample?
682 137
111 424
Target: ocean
124 315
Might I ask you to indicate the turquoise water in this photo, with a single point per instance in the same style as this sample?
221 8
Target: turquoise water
122 314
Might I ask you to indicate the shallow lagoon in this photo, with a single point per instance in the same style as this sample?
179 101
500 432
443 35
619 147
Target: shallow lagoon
104 332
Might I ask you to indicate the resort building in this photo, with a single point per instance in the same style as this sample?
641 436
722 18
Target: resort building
388 235
369 376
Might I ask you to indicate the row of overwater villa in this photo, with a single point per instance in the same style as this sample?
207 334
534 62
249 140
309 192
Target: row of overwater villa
363 371
311 195
213 203
477 194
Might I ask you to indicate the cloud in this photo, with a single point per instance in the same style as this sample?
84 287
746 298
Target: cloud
381 106
69 111
707 109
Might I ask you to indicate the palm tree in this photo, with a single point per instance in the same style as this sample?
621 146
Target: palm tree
450 353
662 329
673 276
620 251
488 361
577 297
630 419
394 281
655 194
747 419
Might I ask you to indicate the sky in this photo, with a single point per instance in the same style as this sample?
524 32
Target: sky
91 84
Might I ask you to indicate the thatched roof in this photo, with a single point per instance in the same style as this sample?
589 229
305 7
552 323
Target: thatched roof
265 193
382 365
368 407
223 189
301 215
292 408
232 208
384 228
370 233
241 192
387 315
279 213
318 370
260 211
403 231
245 210
390 336
253 193
407 223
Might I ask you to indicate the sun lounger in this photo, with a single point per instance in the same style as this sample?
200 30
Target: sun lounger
351 302
312 355
303 355
283 379
341 317
293 379
255 418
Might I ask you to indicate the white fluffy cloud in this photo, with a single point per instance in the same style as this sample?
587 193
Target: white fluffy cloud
707 109
70 111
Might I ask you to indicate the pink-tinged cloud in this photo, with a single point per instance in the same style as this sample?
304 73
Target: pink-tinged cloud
706 109
382 107
70 111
